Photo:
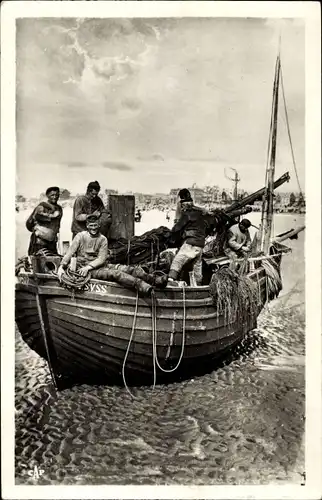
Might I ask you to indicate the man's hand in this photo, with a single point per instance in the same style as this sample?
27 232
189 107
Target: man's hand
245 251
54 215
83 271
60 272
97 213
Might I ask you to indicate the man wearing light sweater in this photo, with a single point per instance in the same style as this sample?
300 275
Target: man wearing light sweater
238 242
90 247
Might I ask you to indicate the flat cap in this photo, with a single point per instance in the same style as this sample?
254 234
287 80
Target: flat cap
92 218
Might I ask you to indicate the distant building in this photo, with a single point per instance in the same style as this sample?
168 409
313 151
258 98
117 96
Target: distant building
198 195
106 194
174 195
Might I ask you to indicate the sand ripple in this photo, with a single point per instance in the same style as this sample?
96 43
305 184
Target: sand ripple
242 423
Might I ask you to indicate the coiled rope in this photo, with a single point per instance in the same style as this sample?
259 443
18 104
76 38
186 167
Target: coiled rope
154 336
73 280
129 345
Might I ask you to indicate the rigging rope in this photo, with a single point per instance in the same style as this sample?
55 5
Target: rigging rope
289 134
154 337
154 353
128 251
129 344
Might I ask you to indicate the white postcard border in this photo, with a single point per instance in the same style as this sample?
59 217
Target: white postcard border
310 11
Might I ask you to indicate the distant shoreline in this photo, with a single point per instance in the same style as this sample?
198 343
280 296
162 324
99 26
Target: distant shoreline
165 205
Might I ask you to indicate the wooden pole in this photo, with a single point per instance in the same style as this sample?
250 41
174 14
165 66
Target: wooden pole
267 209
289 234
249 200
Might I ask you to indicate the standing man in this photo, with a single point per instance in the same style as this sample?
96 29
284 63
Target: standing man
190 230
88 204
89 246
44 223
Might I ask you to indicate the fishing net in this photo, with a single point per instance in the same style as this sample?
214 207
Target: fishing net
215 247
236 297
274 280
140 249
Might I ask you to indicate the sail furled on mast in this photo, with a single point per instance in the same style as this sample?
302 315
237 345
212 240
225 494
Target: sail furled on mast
267 209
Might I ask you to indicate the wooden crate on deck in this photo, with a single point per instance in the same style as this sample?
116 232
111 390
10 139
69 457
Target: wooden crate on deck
122 208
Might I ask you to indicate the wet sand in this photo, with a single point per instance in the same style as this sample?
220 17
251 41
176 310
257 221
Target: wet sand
241 424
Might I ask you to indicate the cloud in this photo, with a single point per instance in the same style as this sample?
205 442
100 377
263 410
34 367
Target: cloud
214 159
112 67
76 164
131 103
154 157
117 165
148 90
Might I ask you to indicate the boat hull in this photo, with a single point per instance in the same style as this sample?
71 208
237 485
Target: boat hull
87 335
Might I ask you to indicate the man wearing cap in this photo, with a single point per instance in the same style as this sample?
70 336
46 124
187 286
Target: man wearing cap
190 231
238 241
88 204
44 223
184 195
90 247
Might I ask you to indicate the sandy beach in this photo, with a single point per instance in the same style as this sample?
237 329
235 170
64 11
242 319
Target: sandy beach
241 424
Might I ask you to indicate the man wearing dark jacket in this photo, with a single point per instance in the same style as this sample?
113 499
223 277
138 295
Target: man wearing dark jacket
44 223
88 204
191 228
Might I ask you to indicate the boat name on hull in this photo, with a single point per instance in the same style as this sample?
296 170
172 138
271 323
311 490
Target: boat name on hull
97 288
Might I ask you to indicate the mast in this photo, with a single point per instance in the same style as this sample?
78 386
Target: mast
258 195
235 180
267 209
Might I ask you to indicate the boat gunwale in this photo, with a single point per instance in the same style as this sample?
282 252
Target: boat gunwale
112 284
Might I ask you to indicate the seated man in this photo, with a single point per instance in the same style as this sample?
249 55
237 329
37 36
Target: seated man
90 247
238 241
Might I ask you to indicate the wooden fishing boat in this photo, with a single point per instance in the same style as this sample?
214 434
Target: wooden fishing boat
86 335
108 334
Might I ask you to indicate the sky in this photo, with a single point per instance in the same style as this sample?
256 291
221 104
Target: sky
153 104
